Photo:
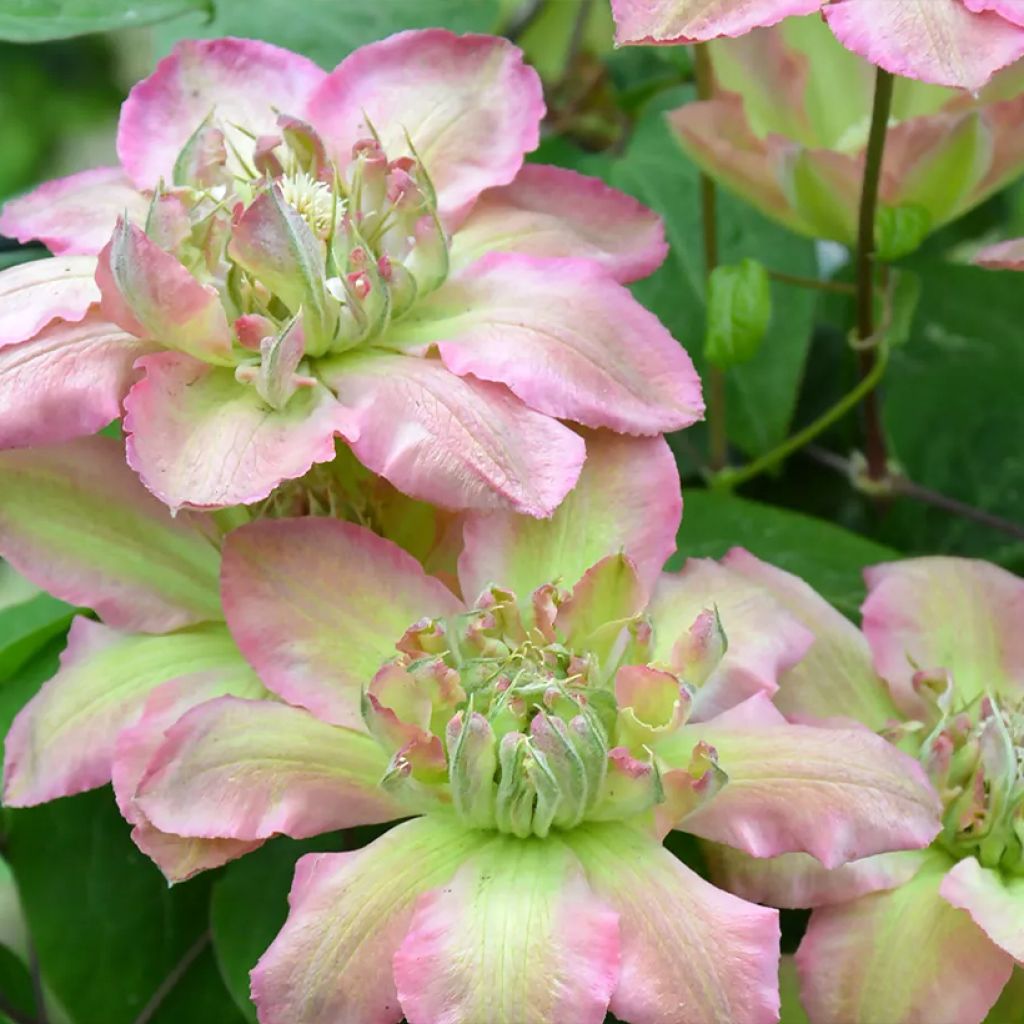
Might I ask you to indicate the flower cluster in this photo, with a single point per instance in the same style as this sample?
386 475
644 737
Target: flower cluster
299 257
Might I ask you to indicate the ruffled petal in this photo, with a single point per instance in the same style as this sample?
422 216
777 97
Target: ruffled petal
945 613
795 880
63 740
516 937
555 212
178 857
694 21
468 104
241 84
454 442
318 605
689 951
200 439
1003 255
565 338
68 381
940 41
994 901
764 640
902 955
835 678
836 794
332 960
76 521
75 215
627 499
33 294
245 769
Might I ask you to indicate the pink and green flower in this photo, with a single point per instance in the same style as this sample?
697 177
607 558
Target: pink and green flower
787 129
939 669
543 725
959 43
289 258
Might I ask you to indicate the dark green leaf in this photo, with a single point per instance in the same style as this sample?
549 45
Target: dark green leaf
107 929
27 626
249 906
828 557
761 393
33 21
953 410
327 30
21 685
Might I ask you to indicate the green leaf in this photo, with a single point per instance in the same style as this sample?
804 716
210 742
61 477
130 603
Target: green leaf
327 30
739 312
22 684
761 393
249 906
107 929
953 411
33 21
29 619
828 557
899 230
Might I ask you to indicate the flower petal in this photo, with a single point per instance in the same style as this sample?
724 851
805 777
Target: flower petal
199 438
717 136
245 769
516 937
994 901
74 519
937 41
689 951
691 21
836 794
835 678
469 104
242 83
318 605
764 640
33 294
795 880
66 382
178 857
902 955
565 338
63 740
75 215
953 613
349 913
627 499
149 293
554 212
1003 255
453 442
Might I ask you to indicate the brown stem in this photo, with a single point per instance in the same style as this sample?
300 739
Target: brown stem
177 973
839 287
719 436
874 438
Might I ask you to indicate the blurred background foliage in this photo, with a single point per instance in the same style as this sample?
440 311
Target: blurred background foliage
89 931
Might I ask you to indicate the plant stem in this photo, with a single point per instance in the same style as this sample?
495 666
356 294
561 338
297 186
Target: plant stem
839 287
874 438
178 972
719 439
728 478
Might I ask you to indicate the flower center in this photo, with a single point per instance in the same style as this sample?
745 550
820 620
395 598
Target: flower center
310 257
501 716
975 758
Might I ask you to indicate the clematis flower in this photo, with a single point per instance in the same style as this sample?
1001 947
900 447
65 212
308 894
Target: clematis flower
939 668
1007 255
77 521
787 129
288 257
959 43
543 728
